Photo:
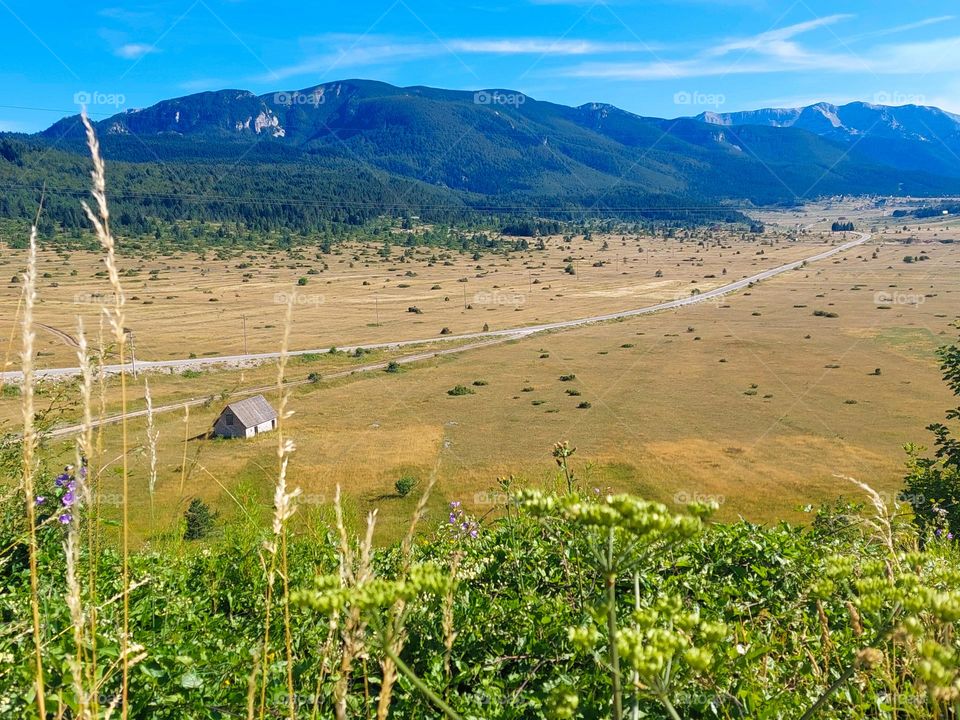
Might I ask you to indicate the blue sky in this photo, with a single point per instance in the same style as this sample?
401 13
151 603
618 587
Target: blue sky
652 57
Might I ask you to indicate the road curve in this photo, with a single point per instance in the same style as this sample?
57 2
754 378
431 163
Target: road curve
508 333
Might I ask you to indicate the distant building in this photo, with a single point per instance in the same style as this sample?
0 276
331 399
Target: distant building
246 418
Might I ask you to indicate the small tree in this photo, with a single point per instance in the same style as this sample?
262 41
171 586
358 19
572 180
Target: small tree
200 519
933 484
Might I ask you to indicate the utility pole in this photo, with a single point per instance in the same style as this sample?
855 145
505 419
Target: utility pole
244 334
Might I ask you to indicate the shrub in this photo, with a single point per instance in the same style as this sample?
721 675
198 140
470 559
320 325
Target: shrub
479 383
445 331
458 390
405 485
392 367
585 405
568 378
199 520
825 313
302 281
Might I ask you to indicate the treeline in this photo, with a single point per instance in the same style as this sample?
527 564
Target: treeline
266 191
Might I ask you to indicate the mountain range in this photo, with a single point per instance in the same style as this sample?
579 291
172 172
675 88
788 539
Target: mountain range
365 147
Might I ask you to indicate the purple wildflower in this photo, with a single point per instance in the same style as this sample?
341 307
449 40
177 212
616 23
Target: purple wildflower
68 499
39 500
64 518
949 536
62 480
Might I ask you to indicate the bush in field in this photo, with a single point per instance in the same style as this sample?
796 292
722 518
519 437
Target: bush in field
457 390
200 520
392 367
405 484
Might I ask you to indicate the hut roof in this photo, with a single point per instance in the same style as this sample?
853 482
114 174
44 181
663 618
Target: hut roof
252 411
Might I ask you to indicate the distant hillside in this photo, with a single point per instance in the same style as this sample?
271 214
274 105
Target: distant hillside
346 151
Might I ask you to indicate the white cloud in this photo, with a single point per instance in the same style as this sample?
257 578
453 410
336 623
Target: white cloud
777 51
134 51
346 51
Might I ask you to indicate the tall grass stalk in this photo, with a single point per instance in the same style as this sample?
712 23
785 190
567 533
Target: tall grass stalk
27 455
83 679
395 635
352 573
186 440
153 438
100 219
284 507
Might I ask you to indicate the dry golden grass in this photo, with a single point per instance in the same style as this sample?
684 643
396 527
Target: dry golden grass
667 419
182 305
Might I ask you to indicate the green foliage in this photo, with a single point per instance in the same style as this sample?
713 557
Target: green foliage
200 520
405 485
711 620
932 485
458 390
10 390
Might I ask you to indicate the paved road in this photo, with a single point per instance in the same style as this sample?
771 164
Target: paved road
509 333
